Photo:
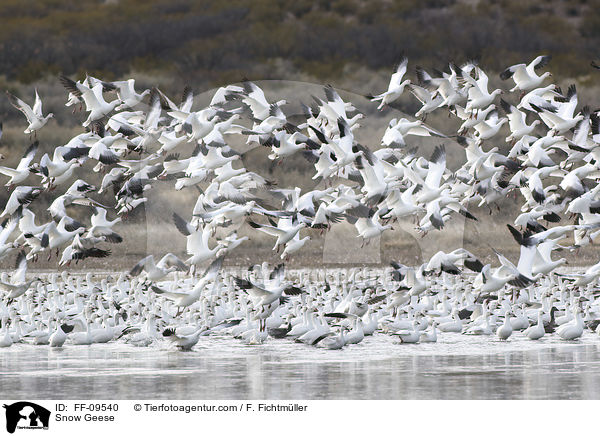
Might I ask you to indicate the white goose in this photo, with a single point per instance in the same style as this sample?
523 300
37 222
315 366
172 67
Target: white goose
156 271
505 330
127 94
184 299
573 329
536 331
525 76
23 169
5 337
35 117
181 341
95 103
517 122
479 96
394 135
395 87
59 337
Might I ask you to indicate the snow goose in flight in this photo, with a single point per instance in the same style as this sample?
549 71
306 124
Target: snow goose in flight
225 94
102 227
473 150
35 117
80 249
95 103
127 94
187 101
489 281
368 227
56 236
585 278
429 101
535 184
27 223
284 145
411 280
542 261
224 125
538 153
262 130
490 165
400 205
285 230
540 97
183 300
398 129
149 132
155 272
529 249
197 125
103 152
231 242
489 127
255 99
60 164
17 285
197 242
115 177
76 194
517 122
529 220
22 195
293 246
572 182
335 108
227 172
446 262
184 342
395 87
169 141
479 96
8 226
374 185
525 76
508 269
447 86
430 188
469 119
23 169
558 124
270 291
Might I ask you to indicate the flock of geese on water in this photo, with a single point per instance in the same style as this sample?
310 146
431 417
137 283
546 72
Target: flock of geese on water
135 140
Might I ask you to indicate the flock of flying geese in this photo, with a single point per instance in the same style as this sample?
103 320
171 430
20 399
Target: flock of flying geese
135 139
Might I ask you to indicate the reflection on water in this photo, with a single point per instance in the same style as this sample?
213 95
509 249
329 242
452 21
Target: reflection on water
458 367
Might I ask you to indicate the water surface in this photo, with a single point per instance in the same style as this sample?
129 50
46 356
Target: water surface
456 367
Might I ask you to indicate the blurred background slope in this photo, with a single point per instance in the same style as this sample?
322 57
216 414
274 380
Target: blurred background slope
217 41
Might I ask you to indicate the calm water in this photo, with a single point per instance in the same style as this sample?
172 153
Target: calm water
457 367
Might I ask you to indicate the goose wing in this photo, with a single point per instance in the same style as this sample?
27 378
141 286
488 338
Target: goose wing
170 260
22 106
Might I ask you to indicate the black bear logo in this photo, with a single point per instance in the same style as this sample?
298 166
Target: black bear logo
27 415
